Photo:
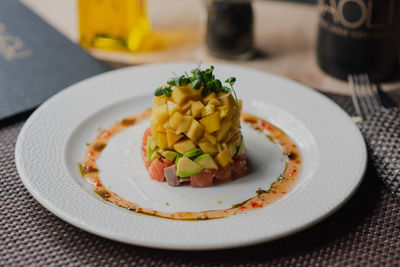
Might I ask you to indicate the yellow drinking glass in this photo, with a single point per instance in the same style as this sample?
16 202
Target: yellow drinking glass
116 25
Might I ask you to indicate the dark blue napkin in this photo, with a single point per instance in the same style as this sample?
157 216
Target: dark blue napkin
36 61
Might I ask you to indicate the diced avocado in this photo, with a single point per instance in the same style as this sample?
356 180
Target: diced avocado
186 167
178 156
241 149
206 161
171 155
154 156
151 141
193 153
151 147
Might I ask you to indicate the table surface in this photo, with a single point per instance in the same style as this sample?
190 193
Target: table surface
285 35
366 231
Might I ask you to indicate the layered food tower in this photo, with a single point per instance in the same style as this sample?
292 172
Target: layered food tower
195 132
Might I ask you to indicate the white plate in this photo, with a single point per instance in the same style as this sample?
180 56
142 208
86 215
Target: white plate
53 140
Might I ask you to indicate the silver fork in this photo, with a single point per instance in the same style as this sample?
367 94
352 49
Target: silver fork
365 95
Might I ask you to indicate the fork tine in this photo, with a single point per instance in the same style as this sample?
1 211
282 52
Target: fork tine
373 93
355 95
361 96
367 94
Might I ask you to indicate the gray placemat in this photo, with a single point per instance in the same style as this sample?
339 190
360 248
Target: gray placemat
366 231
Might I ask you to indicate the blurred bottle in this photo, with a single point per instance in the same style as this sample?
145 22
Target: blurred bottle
116 24
229 32
359 36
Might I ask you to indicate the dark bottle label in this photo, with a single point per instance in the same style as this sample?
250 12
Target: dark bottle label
357 36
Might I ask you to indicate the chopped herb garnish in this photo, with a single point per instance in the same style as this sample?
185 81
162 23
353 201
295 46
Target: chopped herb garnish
231 80
200 79
260 191
179 81
196 84
163 91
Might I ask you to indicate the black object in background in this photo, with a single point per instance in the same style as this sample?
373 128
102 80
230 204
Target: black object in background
36 61
230 29
359 36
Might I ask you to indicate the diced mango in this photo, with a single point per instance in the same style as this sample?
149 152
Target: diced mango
227 99
223 111
184 124
207 110
196 130
187 106
162 140
209 97
233 137
153 128
237 140
212 122
172 107
159 100
181 94
230 147
196 109
210 138
172 137
207 147
160 128
218 146
160 114
225 126
240 104
223 158
175 120
228 136
214 102
184 146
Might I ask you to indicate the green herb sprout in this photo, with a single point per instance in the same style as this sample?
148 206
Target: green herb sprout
200 79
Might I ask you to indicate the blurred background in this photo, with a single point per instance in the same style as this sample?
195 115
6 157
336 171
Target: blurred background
284 35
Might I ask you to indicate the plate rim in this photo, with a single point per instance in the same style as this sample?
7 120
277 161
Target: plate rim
53 208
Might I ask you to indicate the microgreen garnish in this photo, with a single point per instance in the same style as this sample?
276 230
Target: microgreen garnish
179 81
163 91
200 79
231 80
